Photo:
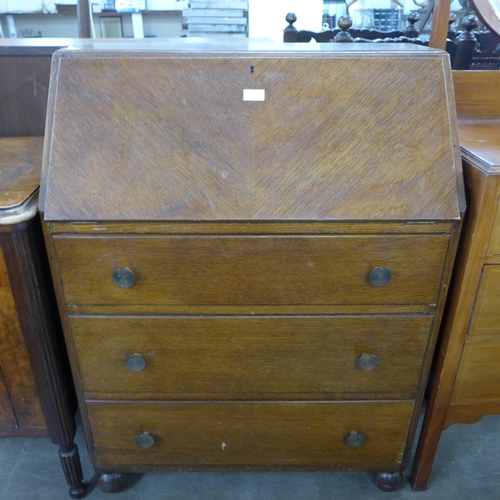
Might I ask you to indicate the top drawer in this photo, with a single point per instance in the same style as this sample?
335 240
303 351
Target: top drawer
250 270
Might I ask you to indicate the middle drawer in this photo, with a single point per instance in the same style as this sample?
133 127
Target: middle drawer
251 357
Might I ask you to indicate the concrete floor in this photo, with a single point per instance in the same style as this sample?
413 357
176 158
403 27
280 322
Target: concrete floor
466 467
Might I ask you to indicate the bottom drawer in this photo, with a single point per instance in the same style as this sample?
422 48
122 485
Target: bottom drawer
250 434
478 377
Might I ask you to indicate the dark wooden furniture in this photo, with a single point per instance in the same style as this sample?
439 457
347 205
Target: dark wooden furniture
24 85
292 35
35 389
461 46
465 381
250 263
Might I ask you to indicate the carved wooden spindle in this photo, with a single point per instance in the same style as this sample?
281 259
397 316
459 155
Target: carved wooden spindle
452 34
290 33
466 43
344 23
411 31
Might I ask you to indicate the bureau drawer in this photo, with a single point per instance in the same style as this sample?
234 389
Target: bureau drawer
252 357
486 315
251 270
251 433
478 377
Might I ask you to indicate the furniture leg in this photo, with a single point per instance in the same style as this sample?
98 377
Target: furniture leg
387 481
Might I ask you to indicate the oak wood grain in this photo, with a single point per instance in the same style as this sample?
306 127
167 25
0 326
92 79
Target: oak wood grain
20 165
478 377
479 143
470 413
476 93
481 196
486 315
7 416
251 433
16 367
23 92
257 357
483 189
228 227
494 245
245 310
213 270
270 160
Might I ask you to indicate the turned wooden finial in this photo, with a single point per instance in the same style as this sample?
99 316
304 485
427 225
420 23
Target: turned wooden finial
466 43
469 23
411 31
290 33
290 18
344 23
451 21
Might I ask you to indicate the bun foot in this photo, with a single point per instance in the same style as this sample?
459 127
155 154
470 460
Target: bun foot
112 482
78 492
387 481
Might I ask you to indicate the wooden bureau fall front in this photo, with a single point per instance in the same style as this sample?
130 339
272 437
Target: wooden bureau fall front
251 248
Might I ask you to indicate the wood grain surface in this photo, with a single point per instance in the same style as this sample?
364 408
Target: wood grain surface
235 227
24 88
16 367
478 378
20 165
251 433
482 198
479 142
7 416
486 315
213 270
494 244
255 357
317 148
476 93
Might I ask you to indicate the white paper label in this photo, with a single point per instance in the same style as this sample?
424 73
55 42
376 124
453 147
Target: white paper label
254 95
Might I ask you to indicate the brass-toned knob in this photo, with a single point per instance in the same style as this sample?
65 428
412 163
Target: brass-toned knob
367 362
355 440
380 276
135 363
145 440
123 277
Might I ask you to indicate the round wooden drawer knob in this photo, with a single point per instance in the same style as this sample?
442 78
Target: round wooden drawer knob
380 276
135 363
355 440
367 362
145 440
123 277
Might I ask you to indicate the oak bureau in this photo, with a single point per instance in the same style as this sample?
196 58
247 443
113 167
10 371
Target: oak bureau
251 248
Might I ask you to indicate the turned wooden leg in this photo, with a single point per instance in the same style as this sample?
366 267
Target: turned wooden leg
387 481
111 482
70 461
33 295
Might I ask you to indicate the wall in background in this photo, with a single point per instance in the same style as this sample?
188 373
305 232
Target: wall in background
159 24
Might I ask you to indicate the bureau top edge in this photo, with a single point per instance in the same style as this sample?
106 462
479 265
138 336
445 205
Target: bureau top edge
250 47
